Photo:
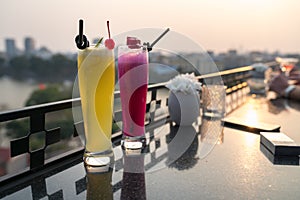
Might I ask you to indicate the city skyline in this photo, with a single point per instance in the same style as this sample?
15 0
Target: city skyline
29 48
266 25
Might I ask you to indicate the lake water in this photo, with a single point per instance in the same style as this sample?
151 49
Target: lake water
14 93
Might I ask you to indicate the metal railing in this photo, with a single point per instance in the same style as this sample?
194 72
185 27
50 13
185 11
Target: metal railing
234 79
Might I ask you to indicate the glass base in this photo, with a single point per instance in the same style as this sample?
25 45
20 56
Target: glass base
213 114
98 161
133 144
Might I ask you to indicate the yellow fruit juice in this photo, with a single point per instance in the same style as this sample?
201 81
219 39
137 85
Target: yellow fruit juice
96 74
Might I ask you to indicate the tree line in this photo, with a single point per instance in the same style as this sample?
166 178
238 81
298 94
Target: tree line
56 69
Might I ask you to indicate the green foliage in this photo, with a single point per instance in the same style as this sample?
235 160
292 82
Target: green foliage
17 128
19 67
20 128
63 119
66 126
57 69
49 94
2 61
115 127
36 143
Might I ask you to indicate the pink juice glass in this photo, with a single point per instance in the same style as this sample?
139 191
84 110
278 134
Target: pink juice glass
133 80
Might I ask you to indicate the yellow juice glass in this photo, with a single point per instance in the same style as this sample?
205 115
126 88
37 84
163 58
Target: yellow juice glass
96 76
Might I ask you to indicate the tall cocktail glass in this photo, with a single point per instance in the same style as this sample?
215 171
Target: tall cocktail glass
96 74
133 80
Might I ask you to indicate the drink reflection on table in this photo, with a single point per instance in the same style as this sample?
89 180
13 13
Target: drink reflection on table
99 185
133 183
212 130
186 159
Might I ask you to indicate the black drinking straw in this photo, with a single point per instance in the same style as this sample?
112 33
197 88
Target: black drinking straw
80 31
149 47
81 40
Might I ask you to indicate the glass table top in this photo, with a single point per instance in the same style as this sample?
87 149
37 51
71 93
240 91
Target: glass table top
236 168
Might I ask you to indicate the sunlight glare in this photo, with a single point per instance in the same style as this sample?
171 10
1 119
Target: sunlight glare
251 117
250 139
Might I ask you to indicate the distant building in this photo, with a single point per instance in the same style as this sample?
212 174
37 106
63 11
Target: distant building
29 45
11 49
43 53
232 52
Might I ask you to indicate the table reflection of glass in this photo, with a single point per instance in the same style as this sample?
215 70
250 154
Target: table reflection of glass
226 162
171 146
99 185
188 159
212 131
133 183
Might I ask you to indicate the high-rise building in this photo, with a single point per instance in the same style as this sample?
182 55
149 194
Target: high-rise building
29 46
11 49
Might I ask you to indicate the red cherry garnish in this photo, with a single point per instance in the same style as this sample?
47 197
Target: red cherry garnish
109 43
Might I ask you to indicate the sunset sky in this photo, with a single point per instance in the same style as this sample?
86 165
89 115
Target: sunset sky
216 25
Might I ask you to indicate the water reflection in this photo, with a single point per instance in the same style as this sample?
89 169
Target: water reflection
188 159
133 183
14 93
99 185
